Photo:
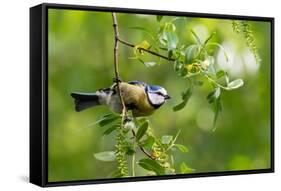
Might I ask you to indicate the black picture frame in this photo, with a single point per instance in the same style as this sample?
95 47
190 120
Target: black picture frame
39 93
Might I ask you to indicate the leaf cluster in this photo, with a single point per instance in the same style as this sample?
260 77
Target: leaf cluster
192 61
158 159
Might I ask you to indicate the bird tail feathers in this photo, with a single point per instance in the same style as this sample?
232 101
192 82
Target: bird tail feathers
85 100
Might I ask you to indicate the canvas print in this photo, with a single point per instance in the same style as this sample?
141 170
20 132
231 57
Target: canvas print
145 95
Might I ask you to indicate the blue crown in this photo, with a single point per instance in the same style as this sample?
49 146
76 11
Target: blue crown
153 88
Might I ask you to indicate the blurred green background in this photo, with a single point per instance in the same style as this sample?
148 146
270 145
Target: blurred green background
80 58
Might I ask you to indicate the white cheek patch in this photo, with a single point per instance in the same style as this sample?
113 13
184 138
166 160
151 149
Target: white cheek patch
164 92
156 99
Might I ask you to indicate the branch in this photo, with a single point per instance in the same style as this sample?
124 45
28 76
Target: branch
146 50
141 148
117 76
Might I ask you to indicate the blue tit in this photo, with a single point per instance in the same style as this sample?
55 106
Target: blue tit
140 98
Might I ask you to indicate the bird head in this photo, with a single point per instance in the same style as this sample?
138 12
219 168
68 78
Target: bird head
157 95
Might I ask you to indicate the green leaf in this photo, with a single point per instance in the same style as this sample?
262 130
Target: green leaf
211 72
166 139
141 130
168 37
172 40
104 117
140 120
182 148
163 40
220 74
186 96
209 38
169 27
170 53
222 49
235 84
129 150
180 106
226 78
183 71
159 18
151 165
217 109
148 142
109 115
139 59
214 95
110 130
185 169
196 37
105 156
149 64
224 74
191 53
210 59
177 66
108 120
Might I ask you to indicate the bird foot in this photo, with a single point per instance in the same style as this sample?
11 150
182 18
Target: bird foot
117 80
128 119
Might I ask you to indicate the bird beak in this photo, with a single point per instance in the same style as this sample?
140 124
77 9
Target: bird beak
167 97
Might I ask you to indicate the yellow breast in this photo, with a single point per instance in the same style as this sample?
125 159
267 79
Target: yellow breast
143 107
135 96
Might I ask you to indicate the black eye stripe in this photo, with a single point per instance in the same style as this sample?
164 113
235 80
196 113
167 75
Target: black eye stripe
159 93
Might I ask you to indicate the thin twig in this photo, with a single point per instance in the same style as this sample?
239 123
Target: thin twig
146 50
141 148
134 159
146 153
117 76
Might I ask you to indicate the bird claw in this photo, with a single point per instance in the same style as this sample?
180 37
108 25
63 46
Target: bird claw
117 80
128 119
